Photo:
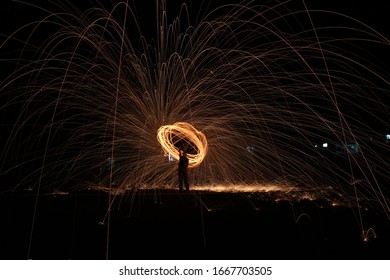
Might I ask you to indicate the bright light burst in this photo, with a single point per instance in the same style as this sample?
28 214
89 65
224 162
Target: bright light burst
264 83
182 135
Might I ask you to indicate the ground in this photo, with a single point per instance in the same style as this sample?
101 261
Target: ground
166 224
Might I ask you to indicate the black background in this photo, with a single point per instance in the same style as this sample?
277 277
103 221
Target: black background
165 225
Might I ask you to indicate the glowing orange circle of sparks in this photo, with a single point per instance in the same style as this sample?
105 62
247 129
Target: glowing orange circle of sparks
169 135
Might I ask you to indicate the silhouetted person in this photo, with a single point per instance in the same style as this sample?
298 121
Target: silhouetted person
182 170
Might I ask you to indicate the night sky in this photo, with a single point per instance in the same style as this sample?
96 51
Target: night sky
14 14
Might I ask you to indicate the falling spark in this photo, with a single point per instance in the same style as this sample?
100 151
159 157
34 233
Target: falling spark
264 83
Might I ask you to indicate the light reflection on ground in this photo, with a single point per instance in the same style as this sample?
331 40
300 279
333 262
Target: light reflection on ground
214 188
266 192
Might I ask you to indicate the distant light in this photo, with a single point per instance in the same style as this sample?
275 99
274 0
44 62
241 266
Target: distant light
325 145
171 158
